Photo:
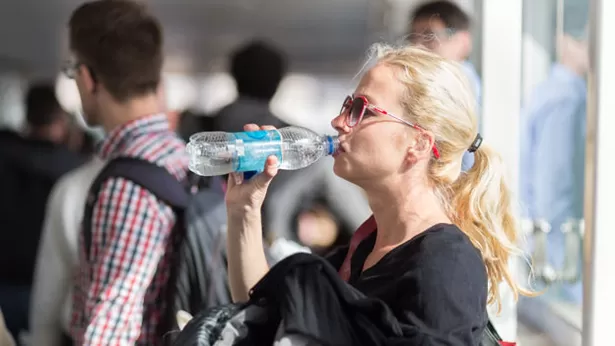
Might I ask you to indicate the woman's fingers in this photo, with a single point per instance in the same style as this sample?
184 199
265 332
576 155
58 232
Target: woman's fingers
251 127
234 179
254 127
270 170
271 166
237 177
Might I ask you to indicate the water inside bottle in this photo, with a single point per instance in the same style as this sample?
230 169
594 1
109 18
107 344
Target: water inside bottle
217 153
210 159
253 149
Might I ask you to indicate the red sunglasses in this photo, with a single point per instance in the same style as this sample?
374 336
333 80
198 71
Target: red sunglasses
355 107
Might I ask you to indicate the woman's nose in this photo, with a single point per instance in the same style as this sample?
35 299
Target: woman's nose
339 123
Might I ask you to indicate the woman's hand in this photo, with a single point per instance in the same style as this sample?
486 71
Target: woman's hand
244 245
247 196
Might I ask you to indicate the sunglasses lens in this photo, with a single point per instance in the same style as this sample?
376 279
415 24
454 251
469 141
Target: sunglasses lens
356 111
346 105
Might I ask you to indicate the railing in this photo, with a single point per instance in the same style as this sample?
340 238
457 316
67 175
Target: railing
570 271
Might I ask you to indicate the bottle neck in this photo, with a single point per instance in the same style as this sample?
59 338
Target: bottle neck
331 144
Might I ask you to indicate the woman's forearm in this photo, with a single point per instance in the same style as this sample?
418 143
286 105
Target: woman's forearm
247 263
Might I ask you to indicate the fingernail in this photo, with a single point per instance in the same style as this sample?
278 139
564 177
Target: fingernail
238 177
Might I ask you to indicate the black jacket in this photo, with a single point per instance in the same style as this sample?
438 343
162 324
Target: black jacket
304 295
28 170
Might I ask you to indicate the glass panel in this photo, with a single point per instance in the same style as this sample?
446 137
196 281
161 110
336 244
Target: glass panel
598 277
555 63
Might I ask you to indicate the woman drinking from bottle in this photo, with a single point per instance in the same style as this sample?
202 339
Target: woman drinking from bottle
438 243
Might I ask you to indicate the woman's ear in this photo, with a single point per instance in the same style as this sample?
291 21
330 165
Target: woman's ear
422 145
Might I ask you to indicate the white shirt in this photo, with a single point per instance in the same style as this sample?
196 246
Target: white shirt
57 258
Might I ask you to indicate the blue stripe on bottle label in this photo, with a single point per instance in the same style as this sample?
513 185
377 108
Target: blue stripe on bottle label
253 148
330 147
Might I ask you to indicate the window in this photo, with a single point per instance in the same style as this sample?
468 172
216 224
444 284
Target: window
552 130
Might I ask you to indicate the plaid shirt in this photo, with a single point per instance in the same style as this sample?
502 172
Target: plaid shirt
117 294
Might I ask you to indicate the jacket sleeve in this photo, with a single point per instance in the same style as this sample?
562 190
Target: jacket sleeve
337 256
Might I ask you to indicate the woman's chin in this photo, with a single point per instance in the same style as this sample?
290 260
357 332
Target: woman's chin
341 169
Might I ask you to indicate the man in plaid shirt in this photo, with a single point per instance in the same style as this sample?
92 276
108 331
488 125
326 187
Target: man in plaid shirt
117 61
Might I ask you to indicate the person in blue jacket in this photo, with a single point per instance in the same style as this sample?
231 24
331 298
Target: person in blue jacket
444 28
553 149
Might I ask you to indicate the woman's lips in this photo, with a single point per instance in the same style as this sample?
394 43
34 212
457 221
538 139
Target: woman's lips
340 150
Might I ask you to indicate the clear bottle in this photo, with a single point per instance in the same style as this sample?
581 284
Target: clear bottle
217 153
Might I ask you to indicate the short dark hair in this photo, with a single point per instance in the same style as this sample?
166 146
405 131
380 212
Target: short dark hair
42 106
258 69
448 12
121 44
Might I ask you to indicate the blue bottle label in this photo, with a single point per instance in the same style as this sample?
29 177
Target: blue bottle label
253 148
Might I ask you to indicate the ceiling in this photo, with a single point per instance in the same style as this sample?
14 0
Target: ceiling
318 35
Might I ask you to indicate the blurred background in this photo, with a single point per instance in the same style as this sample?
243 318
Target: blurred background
518 49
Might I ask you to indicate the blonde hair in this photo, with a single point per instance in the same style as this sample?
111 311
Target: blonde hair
439 99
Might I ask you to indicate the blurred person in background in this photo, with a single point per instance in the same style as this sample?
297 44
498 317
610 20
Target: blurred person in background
58 259
553 128
444 28
317 224
192 121
29 167
80 140
258 69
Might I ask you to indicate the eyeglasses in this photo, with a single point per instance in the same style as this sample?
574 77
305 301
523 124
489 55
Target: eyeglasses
431 34
69 68
355 108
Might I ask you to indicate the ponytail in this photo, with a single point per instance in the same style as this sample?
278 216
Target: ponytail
439 100
481 206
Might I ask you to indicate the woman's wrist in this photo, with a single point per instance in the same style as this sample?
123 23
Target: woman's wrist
244 221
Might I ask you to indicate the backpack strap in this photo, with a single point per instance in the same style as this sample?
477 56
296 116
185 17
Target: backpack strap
491 337
155 179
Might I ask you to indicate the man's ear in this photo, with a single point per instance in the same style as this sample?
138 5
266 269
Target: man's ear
87 77
464 42
182 318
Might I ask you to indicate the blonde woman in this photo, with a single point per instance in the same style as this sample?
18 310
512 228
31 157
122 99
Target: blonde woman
439 240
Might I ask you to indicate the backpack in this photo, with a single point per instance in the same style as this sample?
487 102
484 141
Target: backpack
198 277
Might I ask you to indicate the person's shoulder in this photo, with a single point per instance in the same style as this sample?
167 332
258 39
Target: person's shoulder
78 179
88 170
447 247
446 286
445 263
164 149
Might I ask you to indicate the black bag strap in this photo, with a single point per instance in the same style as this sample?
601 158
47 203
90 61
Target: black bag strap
491 337
155 179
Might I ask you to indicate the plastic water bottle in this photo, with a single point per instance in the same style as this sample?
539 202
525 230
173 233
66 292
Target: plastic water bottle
217 153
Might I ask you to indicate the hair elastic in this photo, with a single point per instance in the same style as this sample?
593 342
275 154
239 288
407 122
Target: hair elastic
476 144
